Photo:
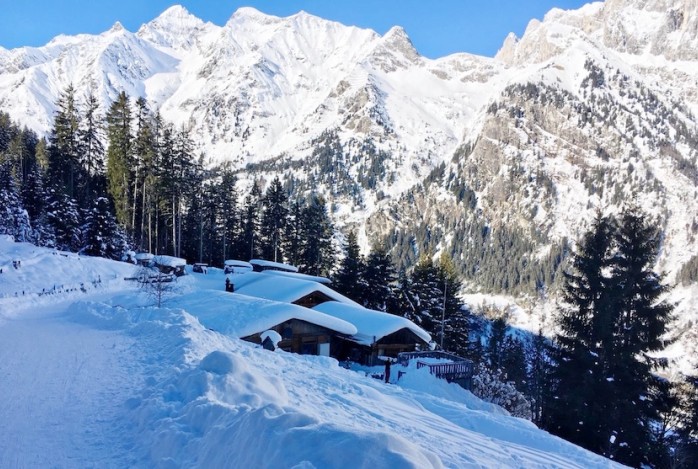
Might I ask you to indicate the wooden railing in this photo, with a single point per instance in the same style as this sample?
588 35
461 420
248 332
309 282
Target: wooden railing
449 371
456 369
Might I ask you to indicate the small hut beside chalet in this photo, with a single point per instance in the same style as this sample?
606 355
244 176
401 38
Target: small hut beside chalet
170 265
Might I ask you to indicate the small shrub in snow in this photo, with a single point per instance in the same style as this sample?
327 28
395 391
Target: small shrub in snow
490 386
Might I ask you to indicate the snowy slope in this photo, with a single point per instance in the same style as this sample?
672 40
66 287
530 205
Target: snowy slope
101 378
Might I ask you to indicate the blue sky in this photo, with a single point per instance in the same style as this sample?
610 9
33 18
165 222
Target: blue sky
436 27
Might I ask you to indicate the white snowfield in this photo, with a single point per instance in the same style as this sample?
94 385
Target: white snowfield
100 378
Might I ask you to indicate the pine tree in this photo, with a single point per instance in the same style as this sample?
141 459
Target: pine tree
65 150
496 341
293 240
576 413
229 219
614 319
538 376
317 252
274 220
348 280
639 326
379 279
456 316
428 296
249 234
63 216
119 159
91 135
14 220
103 237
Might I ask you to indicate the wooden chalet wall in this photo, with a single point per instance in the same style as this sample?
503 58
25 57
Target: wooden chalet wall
391 345
298 336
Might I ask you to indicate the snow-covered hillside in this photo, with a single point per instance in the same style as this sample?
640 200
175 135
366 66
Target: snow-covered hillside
100 377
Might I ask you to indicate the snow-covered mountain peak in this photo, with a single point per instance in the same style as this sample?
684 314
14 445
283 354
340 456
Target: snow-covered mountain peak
398 39
116 28
246 15
666 28
175 28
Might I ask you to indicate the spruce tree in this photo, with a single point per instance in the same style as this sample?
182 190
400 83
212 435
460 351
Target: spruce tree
495 352
14 220
317 253
427 295
249 243
273 222
64 218
585 323
456 316
293 242
613 320
538 376
639 326
102 235
91 136
379 279
65 149
227 198
120 158
349 279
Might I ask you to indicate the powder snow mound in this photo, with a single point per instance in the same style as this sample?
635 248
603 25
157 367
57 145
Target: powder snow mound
219 363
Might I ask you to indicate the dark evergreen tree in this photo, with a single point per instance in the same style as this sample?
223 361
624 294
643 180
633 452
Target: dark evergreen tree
613 321
14 220
427 297
513 361
63 216
229 218
34 194
65 150
317 252
456 316
102 236
274 220
249 242
379 280
120 159
576 413
91 136
293 240
496 340
639 326
349 278
538 377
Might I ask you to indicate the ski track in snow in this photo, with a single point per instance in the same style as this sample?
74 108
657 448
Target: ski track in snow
64 387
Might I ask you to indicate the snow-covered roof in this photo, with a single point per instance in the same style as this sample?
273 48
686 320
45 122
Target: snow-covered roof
237 263
169 261
283 288
265 264
144 256
312 278
370 324
240 316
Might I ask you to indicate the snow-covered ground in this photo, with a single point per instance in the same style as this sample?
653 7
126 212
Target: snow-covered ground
93 375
